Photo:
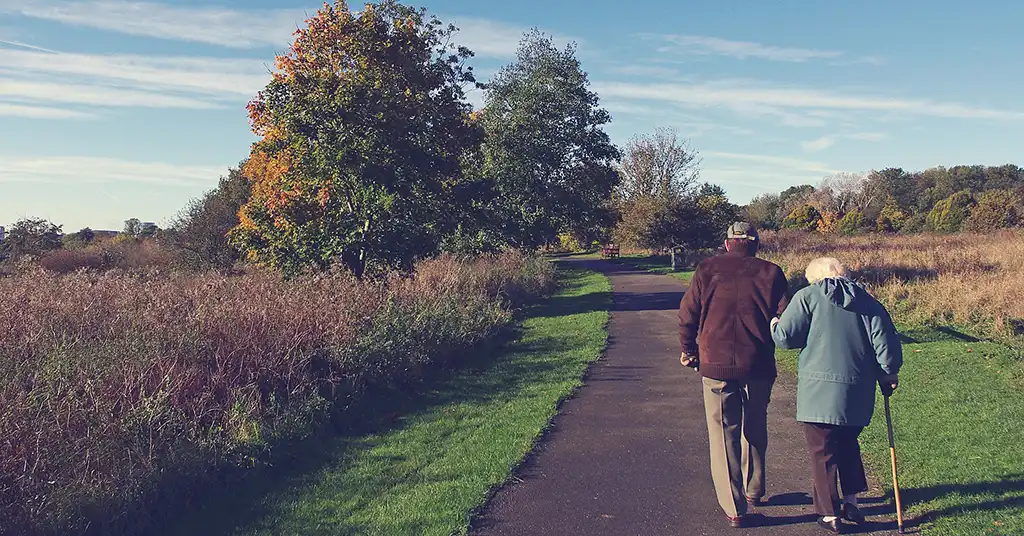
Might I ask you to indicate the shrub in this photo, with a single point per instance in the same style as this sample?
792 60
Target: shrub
804 218
914 224
891 218
123 391
950 214
829 223
850 224
123 254
996 209
65 261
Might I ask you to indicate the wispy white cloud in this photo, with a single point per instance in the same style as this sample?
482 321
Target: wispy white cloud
715 46
61 169
495 39
35 83
819 144
236 28
19 44
488 38
778 162
749 97
200 24
826 142
745 175
869 136
41 112
101 96
214 76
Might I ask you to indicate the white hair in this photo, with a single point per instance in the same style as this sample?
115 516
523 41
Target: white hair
824 267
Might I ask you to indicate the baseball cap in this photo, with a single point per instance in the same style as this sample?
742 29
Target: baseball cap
741 230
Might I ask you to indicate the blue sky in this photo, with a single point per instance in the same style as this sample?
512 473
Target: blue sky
112 109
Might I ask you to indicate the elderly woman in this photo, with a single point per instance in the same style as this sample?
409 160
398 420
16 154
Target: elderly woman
849 344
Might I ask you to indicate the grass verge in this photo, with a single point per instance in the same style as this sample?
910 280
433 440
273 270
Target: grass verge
658 264
429 468
957 419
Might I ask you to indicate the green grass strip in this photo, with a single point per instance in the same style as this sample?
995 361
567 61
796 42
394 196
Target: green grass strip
434 466
958 417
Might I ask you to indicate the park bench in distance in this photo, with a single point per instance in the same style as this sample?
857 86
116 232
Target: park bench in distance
610 251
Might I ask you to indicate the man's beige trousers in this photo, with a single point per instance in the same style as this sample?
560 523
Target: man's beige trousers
737 414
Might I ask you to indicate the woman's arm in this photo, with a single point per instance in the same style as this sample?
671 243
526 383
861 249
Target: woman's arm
886 340
793 326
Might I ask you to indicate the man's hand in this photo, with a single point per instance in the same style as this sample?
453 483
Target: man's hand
888 384
690 361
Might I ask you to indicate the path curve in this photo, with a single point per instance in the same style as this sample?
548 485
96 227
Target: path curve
629 453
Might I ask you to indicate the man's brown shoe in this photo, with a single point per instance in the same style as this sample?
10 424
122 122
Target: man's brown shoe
755 501
738 522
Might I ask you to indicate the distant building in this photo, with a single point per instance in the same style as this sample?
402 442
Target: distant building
3 233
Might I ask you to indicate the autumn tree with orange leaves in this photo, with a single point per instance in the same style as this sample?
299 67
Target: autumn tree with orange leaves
364 127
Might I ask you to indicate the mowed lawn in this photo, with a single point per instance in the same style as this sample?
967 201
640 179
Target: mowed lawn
428 471
959 425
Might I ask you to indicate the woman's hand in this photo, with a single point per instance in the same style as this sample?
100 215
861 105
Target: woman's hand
773 322
689 361
888 384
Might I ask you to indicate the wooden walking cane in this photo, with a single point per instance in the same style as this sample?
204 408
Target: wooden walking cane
892 453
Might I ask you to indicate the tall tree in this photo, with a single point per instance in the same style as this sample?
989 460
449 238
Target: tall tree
200 231
658 165
32 237
364 127
545 151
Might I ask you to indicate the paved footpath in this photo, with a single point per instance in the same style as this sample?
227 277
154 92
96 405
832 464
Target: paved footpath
629 454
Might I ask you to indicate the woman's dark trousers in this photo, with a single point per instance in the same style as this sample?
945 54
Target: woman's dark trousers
834 449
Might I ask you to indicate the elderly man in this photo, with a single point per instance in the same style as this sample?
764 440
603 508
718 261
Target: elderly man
725 334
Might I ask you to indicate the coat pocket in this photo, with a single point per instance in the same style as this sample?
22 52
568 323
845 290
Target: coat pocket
834 377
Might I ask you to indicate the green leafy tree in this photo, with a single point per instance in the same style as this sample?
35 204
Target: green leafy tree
200 231
950 214
996 209
804 218
545 151
891 218
916 223
763 210
132 228
657 187
851 223
713 214
31 236
364 132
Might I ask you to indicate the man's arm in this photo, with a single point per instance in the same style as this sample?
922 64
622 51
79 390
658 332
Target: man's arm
780 292
689 316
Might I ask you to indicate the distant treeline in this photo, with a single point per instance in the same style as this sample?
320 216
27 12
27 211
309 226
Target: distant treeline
939 199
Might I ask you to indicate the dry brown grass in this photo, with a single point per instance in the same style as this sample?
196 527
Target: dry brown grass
968 279
119 389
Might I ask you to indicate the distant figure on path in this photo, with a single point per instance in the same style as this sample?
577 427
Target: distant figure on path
724 329
849 344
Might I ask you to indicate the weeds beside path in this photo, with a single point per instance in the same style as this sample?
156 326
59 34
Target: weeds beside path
428 470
